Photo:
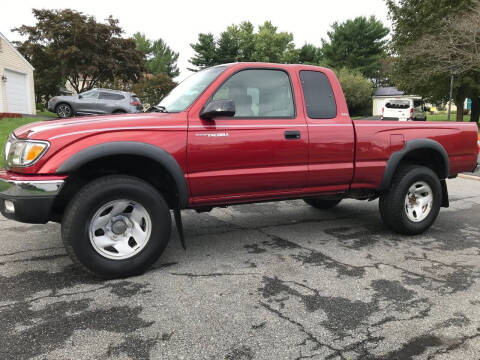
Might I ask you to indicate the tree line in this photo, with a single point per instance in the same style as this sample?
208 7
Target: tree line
430 39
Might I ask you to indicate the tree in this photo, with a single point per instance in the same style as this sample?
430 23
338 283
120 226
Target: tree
205 52
48 80
310 54
157 55
80 49
413 23
142 44
358 91
273 46
356 44
236 43
383 75
152 88
454 47
241 43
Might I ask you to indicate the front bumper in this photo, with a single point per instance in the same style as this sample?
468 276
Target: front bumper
28 199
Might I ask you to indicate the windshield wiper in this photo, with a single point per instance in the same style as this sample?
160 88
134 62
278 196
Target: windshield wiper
157 108
161 108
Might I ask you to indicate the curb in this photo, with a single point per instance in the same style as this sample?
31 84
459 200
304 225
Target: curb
471 177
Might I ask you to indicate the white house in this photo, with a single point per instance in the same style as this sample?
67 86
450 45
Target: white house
17 92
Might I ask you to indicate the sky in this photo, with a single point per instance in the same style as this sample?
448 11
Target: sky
179 22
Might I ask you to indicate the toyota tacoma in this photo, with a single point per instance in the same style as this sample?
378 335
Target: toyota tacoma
230 134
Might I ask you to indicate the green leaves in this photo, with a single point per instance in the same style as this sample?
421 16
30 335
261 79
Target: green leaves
310 54
152 88
241 43
76 48
206 52
430 39
157 55
358 91
357 44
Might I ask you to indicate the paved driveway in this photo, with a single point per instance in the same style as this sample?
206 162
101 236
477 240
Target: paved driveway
265 281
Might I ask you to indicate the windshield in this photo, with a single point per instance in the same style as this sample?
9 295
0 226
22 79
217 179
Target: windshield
188 90
397 104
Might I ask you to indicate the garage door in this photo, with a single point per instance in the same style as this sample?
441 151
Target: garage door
17 92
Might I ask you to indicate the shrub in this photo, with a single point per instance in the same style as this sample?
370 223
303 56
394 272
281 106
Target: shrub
153 88
358 91
40 106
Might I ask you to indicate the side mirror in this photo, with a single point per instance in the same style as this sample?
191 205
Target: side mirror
218 108
80 96
426 109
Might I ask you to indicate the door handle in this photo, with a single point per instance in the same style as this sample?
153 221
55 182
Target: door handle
292 135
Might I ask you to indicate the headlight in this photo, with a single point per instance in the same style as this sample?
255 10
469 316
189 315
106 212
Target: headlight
21 153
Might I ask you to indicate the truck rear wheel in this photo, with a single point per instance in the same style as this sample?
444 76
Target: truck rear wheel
323 204
116 226
413 202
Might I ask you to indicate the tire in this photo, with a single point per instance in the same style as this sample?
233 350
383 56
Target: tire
150 233
64 110
411 217
322 204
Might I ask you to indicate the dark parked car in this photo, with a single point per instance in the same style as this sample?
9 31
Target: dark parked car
95 102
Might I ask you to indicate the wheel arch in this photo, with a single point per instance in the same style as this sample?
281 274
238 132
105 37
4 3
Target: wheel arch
426 152
129 148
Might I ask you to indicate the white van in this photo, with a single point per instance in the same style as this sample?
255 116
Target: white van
404 109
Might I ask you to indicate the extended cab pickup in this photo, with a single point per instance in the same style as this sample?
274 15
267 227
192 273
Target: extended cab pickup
230 134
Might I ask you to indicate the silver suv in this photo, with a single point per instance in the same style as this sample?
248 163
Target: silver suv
95 102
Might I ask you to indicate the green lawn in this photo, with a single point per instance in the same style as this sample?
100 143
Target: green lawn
46 113
443 117
6 127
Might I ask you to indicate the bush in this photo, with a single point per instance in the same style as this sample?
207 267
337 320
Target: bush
358 91
40 106
153 88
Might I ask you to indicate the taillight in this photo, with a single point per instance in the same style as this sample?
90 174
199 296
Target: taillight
135 103
411 113
383 110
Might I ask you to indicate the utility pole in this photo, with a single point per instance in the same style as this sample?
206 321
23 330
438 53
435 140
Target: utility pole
451 95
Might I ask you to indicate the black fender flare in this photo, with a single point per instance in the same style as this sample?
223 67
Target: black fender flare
412 145
152 152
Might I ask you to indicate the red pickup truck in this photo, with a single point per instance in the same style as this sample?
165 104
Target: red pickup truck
230 134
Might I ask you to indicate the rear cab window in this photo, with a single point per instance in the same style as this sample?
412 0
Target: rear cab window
318 93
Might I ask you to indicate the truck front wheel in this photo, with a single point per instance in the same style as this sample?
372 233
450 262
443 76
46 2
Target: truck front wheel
116 226
413 202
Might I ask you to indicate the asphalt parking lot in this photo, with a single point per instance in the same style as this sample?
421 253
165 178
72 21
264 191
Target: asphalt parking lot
264 281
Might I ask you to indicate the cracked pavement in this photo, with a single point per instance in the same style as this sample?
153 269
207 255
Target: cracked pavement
263 281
